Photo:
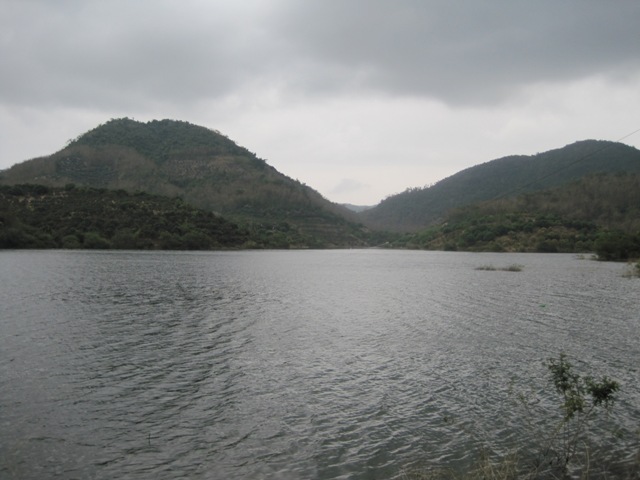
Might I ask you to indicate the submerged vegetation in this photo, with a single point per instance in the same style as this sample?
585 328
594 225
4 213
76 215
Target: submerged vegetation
564 446
515 267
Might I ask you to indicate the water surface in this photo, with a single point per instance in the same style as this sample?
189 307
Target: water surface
296 364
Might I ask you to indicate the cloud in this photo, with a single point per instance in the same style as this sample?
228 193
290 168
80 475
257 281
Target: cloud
467 52
120 52
106 54
393 93
348 186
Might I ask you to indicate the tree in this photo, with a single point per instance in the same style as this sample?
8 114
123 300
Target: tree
581 397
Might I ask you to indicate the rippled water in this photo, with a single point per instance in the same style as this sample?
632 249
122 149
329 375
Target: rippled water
304 364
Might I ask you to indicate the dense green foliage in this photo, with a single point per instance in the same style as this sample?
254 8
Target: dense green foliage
598 213
418 208
203 167
617 246
35 216
160 139
508 232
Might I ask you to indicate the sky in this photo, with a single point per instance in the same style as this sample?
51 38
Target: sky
359 99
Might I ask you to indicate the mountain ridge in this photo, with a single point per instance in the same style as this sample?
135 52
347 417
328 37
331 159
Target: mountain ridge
507 176
598 213
209 171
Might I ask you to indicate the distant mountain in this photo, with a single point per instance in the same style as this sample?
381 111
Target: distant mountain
418 208
598 213
203 167
356 208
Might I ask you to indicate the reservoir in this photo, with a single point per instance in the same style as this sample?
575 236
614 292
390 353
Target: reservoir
336 364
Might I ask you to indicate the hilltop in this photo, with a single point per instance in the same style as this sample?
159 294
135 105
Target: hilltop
201 166
418 208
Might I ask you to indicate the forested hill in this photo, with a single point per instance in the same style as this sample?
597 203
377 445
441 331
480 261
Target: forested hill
596 213
420 207
201 166
36 216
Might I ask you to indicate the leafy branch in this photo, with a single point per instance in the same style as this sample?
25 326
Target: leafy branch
581 396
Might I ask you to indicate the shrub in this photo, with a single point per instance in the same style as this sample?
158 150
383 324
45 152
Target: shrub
617 246
563 452
581 396
71 242
93 240
514 267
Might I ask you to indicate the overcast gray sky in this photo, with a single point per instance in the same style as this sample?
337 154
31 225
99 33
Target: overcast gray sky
359 99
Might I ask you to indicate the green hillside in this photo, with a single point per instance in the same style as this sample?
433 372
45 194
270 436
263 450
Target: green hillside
206 170
36 216
203 167
596 213
420 207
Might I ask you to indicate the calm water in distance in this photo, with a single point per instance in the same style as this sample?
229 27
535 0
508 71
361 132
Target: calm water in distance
350 364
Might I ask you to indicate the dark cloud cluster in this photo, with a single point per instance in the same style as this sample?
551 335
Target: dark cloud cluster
468 51
122 52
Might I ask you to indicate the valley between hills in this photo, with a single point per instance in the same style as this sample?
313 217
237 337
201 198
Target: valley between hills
172 185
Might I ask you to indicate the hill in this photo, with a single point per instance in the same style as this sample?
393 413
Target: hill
36 216
201 166
418 208
598 213
356 208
